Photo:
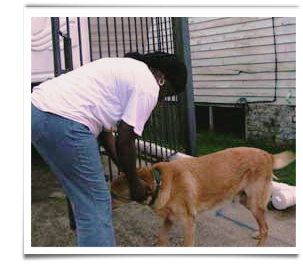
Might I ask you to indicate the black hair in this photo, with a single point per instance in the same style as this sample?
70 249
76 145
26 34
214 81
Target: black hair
173 69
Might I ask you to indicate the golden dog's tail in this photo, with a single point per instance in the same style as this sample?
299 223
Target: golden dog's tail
281 160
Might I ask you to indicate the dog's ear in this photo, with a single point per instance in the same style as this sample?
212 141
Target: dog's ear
144 174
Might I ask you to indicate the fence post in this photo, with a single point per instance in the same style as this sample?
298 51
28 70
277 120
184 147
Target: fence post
57 71
182 51
68 50
56 45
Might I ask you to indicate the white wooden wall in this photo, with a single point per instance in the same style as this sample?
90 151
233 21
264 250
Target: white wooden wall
42 66
234 57
231 57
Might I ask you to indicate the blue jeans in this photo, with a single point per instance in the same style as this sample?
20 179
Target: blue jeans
72 153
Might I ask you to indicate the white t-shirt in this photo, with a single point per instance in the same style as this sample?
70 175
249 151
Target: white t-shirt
102 93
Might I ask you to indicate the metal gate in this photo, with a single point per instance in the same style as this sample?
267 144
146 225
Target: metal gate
171 127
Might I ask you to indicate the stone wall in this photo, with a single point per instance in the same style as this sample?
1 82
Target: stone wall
271 122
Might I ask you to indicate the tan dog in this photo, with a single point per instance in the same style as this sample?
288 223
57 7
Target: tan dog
192 185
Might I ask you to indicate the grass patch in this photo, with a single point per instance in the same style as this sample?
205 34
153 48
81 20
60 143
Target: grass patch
208 142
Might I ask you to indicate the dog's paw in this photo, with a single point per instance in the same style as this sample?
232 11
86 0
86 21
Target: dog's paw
256 235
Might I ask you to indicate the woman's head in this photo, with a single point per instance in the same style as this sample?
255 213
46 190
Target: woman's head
174 70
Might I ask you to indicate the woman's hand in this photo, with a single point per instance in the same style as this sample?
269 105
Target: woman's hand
138 192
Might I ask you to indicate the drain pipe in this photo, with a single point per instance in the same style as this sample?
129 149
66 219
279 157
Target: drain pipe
283 195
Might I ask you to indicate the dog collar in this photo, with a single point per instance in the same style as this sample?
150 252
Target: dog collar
157 176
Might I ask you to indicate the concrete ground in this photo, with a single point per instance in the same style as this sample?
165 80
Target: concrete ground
137 226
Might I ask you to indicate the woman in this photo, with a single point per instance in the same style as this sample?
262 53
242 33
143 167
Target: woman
72 112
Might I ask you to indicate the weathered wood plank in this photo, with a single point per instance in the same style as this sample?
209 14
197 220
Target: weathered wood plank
198 37
256 50
231 24
245 76
243 43
193 20
254 59
245 84
236 24
256 92
248 68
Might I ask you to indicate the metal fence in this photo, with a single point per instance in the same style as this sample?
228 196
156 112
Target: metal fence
166 131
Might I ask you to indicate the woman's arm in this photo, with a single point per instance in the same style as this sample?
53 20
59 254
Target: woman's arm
108 141
126 154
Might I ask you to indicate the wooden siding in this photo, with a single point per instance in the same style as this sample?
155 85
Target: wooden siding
234 58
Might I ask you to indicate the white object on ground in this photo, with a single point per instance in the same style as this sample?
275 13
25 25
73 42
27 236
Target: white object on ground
283 195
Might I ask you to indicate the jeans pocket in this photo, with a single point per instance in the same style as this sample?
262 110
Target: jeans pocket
80 131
